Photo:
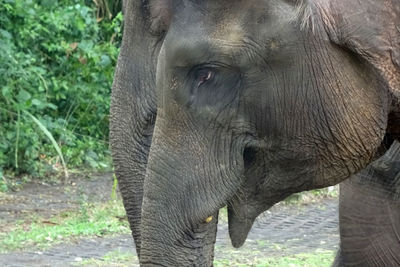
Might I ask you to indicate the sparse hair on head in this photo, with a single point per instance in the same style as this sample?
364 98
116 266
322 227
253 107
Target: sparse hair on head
304 15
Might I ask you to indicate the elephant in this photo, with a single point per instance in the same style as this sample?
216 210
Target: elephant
240 104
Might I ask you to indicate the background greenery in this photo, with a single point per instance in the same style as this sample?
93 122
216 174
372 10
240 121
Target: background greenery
57 62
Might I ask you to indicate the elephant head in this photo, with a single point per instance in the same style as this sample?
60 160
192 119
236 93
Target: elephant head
242 103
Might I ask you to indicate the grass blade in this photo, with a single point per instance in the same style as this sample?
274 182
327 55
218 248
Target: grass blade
52 140
114 188
17 140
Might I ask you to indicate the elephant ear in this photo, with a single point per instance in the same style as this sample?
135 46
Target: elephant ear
133 104
371 30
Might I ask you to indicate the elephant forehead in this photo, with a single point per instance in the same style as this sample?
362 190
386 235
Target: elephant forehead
234 34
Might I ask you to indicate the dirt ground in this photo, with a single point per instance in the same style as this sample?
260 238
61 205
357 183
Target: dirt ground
283 230
46 199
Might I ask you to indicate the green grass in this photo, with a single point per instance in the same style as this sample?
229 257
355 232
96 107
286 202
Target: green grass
311 196
113 258
317 259
91 220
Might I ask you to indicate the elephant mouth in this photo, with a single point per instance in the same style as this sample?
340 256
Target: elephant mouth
241 218
198 235
192 246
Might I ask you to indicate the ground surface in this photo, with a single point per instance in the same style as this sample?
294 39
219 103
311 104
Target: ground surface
282 231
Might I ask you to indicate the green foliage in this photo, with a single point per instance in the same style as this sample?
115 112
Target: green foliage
108 8
56 63
50 137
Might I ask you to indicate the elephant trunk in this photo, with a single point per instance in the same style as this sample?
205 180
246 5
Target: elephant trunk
185 186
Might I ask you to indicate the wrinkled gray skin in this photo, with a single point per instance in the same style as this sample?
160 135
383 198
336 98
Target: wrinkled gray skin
369 214
241 103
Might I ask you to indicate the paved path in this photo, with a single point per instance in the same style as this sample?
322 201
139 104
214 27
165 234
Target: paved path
284 230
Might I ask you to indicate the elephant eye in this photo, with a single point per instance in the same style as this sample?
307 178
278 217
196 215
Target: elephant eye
204 75
210 84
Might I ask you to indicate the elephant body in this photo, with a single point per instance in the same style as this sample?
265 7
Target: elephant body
241 103
369 214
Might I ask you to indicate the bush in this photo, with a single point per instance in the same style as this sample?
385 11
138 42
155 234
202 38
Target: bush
56 65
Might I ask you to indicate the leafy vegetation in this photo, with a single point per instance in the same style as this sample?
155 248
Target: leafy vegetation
92 219
56 67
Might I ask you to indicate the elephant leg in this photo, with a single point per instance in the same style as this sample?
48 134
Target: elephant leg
369 214
338 262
